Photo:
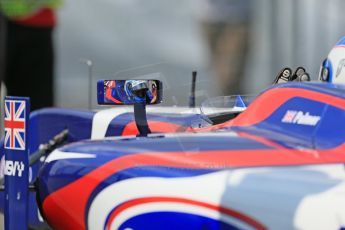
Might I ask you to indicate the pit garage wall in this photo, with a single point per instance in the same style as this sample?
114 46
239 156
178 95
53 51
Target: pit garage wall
291 33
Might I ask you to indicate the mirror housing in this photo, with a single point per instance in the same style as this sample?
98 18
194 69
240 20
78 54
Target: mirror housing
129 92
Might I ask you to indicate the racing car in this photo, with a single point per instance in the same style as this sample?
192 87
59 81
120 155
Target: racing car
275 163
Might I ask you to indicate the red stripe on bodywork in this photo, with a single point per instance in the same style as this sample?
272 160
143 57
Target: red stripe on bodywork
227 211
75 195
155 126
265 104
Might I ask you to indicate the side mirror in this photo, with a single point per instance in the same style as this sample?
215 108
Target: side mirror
129 92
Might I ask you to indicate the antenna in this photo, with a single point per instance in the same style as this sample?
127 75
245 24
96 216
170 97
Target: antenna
192 93
89 64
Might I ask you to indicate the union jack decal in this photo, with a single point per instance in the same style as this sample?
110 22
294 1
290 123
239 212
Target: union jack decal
14 124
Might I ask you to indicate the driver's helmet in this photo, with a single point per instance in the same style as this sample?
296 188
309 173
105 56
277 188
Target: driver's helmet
333 67
136 90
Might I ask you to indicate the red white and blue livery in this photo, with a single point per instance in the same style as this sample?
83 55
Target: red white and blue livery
278 164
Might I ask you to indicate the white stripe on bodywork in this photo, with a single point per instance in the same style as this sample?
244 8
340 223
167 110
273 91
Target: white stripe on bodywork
301 197
59 155
102 119
330 205
194 188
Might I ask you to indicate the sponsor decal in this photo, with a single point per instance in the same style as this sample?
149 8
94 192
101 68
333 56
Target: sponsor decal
300 118
14 168
14 125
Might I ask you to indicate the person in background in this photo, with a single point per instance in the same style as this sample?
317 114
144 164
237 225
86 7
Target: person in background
29 51
225 24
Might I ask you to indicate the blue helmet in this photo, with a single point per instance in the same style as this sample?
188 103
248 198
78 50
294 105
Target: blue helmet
138 91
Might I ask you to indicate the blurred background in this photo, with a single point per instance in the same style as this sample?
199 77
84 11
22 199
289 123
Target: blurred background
237 46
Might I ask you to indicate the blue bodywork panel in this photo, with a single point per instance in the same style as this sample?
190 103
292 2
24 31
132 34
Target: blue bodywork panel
299 122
